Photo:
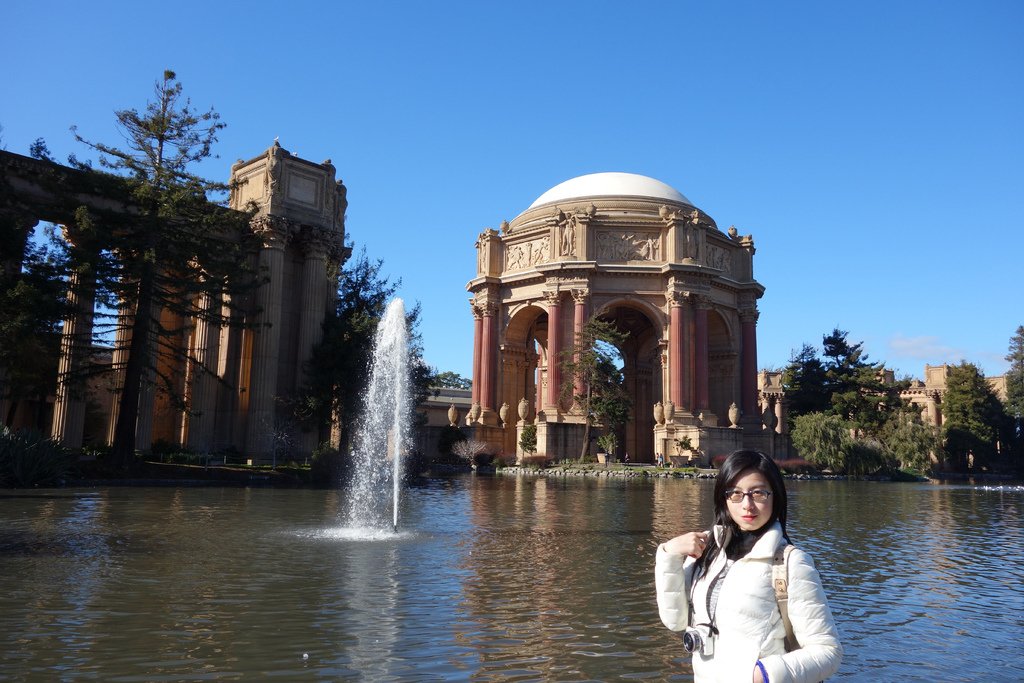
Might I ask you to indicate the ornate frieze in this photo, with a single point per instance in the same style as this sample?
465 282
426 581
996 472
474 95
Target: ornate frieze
528 254
717 257
622 246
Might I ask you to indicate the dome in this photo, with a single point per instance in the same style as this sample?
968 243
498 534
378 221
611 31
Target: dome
610 185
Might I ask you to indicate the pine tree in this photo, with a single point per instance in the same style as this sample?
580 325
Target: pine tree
452 380
857 388
1015 397
1015 378
805 385
175 251
972 415
31 308
342 360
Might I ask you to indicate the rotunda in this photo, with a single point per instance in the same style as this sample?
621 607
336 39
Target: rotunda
635 251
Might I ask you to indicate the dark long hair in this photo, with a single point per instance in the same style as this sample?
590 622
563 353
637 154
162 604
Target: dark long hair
736 464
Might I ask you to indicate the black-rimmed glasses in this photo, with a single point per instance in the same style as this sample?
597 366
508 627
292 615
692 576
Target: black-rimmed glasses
756 495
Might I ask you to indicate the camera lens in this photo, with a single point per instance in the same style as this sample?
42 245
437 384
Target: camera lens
691 641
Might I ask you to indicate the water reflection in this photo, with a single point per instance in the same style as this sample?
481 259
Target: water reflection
492 579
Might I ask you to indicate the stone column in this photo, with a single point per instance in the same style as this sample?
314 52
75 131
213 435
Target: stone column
75 340
122 342
554 350
266 340
229 421
675 348
147 390
748 364
700 349
313 295
489 357
540 390
689 357
200 388
579 297
478 334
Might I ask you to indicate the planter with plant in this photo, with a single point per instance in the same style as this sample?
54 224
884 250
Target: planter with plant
685 452
606 444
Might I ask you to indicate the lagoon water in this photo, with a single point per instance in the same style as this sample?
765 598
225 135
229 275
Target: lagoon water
506 578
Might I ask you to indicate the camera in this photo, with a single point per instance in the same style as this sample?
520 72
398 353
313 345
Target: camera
700 639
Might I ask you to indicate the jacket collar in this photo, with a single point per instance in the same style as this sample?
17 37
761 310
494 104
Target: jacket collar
765 546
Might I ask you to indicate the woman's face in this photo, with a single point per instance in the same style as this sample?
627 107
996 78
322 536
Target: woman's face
748 514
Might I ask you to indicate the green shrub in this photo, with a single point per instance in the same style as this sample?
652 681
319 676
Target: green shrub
608 442
28 459
823 440
528 439
865 457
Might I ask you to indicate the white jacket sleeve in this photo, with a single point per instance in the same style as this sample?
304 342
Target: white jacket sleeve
820 652
672 575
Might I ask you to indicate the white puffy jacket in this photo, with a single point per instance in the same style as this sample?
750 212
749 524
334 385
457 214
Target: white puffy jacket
747 615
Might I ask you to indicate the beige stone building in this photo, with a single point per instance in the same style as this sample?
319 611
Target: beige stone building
635 251
928 393
445 408
300 220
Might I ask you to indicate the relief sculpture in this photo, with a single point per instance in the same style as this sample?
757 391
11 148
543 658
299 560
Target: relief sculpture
539 250
719 258
618 246
526 254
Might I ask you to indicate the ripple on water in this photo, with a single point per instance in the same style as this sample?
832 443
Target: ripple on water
357 534
490 580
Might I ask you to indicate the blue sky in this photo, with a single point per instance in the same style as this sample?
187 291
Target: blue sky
873 149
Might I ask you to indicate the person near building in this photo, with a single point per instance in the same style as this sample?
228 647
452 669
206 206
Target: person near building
716 586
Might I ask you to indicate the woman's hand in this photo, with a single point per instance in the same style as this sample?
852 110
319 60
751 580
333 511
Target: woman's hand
691 544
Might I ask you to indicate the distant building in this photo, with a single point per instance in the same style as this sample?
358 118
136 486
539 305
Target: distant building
928 394
444 407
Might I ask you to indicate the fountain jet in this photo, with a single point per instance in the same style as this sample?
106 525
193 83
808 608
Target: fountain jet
382 435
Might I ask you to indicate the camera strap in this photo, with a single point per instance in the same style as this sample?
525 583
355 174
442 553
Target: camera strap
711 598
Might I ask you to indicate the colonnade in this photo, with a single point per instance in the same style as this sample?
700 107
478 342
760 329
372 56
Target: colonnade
232 360
252 378
687 341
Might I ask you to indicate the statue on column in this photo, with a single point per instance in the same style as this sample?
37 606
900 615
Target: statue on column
693 236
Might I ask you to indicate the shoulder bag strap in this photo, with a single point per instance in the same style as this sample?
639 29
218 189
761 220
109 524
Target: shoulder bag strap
780 580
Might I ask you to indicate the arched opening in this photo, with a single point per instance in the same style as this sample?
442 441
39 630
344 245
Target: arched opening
524 362
641 366
723 368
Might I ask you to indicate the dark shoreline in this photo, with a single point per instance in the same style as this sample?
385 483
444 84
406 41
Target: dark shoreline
164 474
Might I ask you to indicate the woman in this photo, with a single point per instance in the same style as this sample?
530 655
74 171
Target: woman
717 586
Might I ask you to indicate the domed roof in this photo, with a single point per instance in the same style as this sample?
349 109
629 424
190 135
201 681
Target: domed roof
610 185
